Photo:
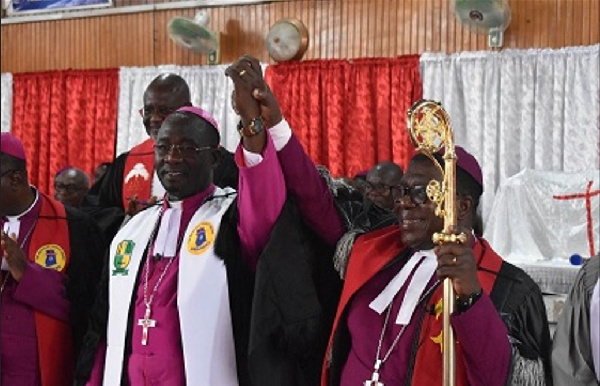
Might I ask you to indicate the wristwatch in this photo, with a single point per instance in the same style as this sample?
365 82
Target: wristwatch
463 305
255 127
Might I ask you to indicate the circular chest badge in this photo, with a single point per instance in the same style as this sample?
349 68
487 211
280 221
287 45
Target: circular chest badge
201 238
51 256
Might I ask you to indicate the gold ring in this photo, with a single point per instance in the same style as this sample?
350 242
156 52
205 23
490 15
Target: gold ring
242 72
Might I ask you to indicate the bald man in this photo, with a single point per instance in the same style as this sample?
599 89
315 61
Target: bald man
130 182
71 186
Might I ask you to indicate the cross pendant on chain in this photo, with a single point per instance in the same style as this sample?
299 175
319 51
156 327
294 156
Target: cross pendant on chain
374 381
146 323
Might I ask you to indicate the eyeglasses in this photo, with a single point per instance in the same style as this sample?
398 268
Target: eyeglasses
161 111
378 188
417 194
69 188
185 151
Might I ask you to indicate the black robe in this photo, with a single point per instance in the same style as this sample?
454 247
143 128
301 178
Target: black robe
84 270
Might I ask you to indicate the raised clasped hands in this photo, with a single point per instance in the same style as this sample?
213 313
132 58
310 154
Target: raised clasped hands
252 96
13 255
457 262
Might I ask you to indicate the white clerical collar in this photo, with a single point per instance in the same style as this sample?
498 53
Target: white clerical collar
17 218
166 243
176 204
416 286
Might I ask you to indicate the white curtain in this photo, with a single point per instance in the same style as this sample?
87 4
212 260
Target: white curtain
7 95
210 89
518 109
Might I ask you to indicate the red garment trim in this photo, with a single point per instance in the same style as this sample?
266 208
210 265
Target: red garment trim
370 253
429 354
135 183
55 342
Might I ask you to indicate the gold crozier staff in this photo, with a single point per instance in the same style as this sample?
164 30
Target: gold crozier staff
430 130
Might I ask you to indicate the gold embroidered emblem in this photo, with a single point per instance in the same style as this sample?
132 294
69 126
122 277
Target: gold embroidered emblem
123 257
438 340
201 238
438 309
51 256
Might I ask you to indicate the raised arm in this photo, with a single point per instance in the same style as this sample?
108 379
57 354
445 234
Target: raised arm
302 179
261 187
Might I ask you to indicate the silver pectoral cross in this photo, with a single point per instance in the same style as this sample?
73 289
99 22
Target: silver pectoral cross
146 323
374 381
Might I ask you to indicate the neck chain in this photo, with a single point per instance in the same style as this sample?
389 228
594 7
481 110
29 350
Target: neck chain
151 246
8 274
146 322
374 381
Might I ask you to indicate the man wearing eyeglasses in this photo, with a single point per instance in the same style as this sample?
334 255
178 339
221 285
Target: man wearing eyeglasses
181 300
130 182
71 186
380 180
387 328
388 321
51 263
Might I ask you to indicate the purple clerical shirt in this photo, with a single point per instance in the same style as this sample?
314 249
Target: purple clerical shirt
39 289
365 326
161 361
476 329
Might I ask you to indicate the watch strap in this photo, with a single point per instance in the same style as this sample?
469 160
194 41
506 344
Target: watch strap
252 129
463 304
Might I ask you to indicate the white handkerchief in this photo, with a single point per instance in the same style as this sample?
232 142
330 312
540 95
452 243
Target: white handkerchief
415 287
12 226
165 244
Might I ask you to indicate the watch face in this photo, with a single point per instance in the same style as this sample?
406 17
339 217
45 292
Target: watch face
254 127
258 124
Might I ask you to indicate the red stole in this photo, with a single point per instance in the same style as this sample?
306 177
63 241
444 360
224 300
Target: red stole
429 355
369 255
138 172
50 247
